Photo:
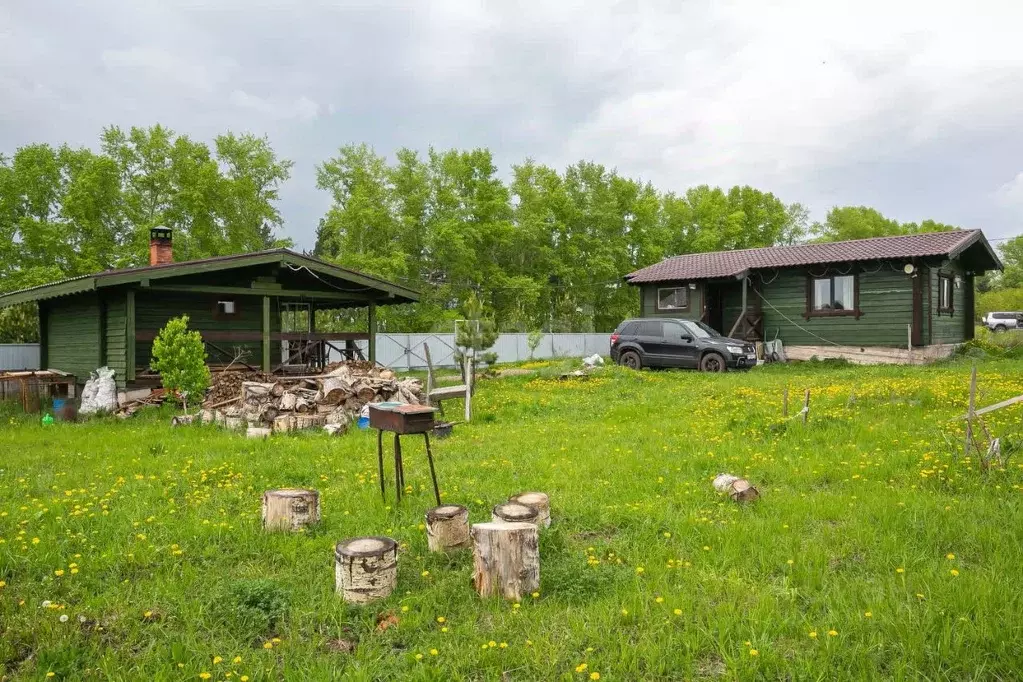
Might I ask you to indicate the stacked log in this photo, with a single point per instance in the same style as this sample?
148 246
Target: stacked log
334 398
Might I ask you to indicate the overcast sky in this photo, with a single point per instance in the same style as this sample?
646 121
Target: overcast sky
914 108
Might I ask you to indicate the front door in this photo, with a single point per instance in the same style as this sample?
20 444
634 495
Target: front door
714 309
679 345
917 334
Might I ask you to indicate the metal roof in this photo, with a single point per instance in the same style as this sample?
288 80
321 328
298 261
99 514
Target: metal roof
395 293
725 264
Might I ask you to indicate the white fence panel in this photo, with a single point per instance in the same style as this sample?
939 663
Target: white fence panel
19 356
405 351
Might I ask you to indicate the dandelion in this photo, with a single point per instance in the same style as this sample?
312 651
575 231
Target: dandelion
516 605
678 612
594 675
244 678
754 652
900 570
63 618
491 644
236 660
813 634
504 645
625 612
639 570
444 629
950 556
535 595
3 584
954 572
59 572
205 676
425 574
790 562
73 571
217 659
667 534
659 600
434 652
868 614
706 548
268 645
404 609
832 633
147 614
419 657
46 603
581 667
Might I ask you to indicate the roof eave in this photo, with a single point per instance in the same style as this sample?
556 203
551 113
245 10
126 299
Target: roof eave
48 291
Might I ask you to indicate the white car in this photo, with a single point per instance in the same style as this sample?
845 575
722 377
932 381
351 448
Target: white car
1000 322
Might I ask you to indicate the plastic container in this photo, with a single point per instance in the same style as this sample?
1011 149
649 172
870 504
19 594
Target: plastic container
58 404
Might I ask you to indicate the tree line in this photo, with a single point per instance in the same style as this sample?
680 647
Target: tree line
538 248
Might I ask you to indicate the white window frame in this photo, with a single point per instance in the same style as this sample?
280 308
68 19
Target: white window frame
683 288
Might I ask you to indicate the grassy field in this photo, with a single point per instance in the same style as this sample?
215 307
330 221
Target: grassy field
130 550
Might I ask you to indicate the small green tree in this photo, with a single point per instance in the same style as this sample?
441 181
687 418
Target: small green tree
477 332
533 341
180 358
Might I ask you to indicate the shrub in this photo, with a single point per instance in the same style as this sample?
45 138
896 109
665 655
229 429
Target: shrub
256 605
180 358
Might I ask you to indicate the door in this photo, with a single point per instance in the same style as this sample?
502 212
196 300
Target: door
918 310
714 310
650 337
683 349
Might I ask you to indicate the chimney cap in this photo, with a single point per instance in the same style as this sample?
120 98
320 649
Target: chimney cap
160 232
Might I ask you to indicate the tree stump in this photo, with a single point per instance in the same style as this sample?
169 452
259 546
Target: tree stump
447 528
284 423
290 508
513 512
506 559
365 569
538 501
739 489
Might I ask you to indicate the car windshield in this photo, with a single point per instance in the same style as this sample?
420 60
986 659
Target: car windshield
699 330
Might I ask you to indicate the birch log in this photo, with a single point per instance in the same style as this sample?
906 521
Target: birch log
538 501
513 512
506 559
365 569
447 528
290 508
739 489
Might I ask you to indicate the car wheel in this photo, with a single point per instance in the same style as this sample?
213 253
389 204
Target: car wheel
1000 328
630 359
712 362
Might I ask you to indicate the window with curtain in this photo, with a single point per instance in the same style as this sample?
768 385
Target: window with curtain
833 295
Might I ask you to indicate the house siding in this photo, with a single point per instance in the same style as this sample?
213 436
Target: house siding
154 309
115 357
648 302
74 334
949 328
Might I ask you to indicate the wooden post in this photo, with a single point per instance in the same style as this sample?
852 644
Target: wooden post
785 402
506 559
266 333
447 528
742 316
372 328
44 338
365 569
806 406
513 512
538 501
290 508
469 369
971 406
909 342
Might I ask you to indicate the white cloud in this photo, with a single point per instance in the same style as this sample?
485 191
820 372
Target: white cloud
1010 195
300 109
149 62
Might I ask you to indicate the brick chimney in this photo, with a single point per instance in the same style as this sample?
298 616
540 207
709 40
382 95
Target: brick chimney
161 250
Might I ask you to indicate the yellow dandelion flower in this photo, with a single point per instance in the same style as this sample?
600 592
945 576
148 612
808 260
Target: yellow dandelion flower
236 660
832 633
491 644
868 614
536 595
441 619
59 572
659 600
419 657
217 659
678 612
950 556
434 652
900 570
204 676
581 667
754 652
639 569
954 572
813 635
244 678
594 675
268 645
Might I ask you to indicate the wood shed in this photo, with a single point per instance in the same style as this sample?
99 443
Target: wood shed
257 310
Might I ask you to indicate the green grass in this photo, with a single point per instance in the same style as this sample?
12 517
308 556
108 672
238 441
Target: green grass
173 569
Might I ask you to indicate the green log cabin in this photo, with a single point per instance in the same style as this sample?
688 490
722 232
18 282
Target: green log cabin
885 299
256 310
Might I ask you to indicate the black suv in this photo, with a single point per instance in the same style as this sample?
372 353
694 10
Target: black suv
666 342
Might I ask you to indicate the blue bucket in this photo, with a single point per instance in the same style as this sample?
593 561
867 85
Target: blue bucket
363 422
58 404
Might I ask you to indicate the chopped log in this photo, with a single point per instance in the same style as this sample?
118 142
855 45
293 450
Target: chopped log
303 406
254 390
310 421
365 392
234 423
335 429
334 389
284 423
538 501
365 569
288 402
290 509
506 559
208 416
257 432
513 512
447 528
739 489
182 419
278 390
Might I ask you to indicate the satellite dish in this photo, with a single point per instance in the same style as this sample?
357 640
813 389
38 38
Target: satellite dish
908 269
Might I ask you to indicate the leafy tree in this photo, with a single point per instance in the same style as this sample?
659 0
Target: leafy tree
180 357
861 222
1012 259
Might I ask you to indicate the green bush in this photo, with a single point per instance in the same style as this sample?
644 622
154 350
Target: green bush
180 357
256 605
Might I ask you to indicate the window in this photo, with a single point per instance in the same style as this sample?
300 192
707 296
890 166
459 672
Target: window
698 330
225 309
835 295
945 300
676 298
649 328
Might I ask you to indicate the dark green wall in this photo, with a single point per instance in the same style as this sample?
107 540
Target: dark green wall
74 342
648 302
115 341
948 328
154 309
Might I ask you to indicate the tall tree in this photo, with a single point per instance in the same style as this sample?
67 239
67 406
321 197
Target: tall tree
862 222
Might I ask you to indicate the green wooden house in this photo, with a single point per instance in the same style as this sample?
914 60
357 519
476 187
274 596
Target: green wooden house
256 309
859 299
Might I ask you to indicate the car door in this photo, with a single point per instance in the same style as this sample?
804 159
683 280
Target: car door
687 348
651 339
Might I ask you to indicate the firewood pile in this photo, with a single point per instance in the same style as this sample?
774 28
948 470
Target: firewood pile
330 400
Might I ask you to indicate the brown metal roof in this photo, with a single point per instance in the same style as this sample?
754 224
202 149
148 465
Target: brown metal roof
724 264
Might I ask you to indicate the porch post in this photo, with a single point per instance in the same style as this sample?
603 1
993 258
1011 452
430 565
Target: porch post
129 336
266 334
372 328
